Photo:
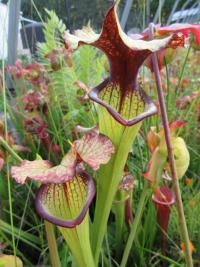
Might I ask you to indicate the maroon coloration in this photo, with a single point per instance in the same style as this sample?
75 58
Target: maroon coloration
128 212
1 163
163 205
31 100
125 57
33 122
57 56
56 149
81 129
17 72
35 125
183 226
124 65
166 54
36 73
151 108
163 200
40 208
34 100
44 136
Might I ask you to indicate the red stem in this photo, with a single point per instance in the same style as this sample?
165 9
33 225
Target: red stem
179 203
128 212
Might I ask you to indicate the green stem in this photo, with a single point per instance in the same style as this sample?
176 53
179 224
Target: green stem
135 225
105 196
56 130
55 261
110 174
160 10
78 240
7 167
183 68
120 215
10 150
119 210
108 251
37 11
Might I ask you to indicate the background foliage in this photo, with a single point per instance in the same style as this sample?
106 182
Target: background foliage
76 13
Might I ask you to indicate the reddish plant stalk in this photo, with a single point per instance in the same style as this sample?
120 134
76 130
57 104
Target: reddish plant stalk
179 203
128 212
44 138
163 208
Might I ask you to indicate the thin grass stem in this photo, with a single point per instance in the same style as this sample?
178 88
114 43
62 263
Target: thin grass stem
10 150
55 261
37 11
183 68
108 250
135 225
23 215
7 167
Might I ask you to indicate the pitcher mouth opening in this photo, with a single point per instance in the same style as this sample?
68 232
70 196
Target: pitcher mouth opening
47 208
169 197
127 109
